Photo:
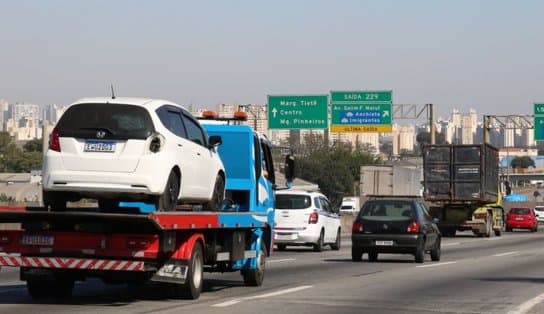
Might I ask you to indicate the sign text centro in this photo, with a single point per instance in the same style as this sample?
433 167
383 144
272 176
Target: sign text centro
297 112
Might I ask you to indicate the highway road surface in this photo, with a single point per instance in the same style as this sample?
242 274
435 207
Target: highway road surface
476 275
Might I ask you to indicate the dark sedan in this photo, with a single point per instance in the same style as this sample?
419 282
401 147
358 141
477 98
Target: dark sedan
395 225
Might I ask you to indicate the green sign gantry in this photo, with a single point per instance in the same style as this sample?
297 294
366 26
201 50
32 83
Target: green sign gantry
361 111
539 121
298 112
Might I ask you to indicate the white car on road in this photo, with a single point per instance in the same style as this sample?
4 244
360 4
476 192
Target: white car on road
539 212
306 218
131 149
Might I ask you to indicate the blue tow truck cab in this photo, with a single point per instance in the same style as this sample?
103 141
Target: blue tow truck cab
55 249
250 183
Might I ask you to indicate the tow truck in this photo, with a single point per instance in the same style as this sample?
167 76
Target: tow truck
55 249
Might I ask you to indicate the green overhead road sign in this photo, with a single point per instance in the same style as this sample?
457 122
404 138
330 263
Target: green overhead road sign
361 111
297 112
539 121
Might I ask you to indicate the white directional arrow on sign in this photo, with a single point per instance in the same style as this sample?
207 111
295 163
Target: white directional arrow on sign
385 113
274 111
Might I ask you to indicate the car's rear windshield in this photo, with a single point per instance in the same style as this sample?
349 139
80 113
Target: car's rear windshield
293 201
117 121
539 209
390 210
520 211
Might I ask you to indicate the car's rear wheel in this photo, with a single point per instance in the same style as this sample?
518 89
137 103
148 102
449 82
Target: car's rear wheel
54 201
318 247
372 256
436 251
169 198
419 255
336 245
508 229
281 247
356 254
218 194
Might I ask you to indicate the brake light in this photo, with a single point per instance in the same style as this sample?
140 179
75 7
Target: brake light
314 217
137 243
357 227
54 141
413 227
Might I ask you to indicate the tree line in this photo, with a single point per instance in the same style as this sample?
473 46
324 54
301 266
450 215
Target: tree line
336 168
15 159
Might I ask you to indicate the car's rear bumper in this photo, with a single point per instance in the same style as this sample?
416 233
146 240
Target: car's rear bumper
387 243
519 225
297 236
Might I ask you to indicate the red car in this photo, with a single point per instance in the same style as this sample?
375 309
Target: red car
521 218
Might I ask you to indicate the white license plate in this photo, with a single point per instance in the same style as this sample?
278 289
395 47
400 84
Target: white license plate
384 243
519 218
99 146
34 239
285 236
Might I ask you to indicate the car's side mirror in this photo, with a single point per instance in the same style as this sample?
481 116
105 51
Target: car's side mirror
214 141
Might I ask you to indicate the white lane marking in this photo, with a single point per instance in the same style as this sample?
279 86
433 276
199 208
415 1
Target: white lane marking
261 296
281 260
493 239
436 265
505 253
528 305
451 244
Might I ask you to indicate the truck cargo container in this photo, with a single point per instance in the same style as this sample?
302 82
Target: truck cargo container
461 184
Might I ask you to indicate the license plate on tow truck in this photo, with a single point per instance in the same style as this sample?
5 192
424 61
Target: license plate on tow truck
37 239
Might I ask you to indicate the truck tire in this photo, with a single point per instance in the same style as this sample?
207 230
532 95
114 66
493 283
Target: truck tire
318 246
336 245
489 226
193 286
54 200
168 200
40 289
217 196
255 277
356 254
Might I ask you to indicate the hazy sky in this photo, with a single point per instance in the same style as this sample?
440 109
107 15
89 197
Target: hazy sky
488 55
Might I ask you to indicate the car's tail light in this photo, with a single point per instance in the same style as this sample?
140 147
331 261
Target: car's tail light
54 141
413 227
314 217
357 227
156 143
